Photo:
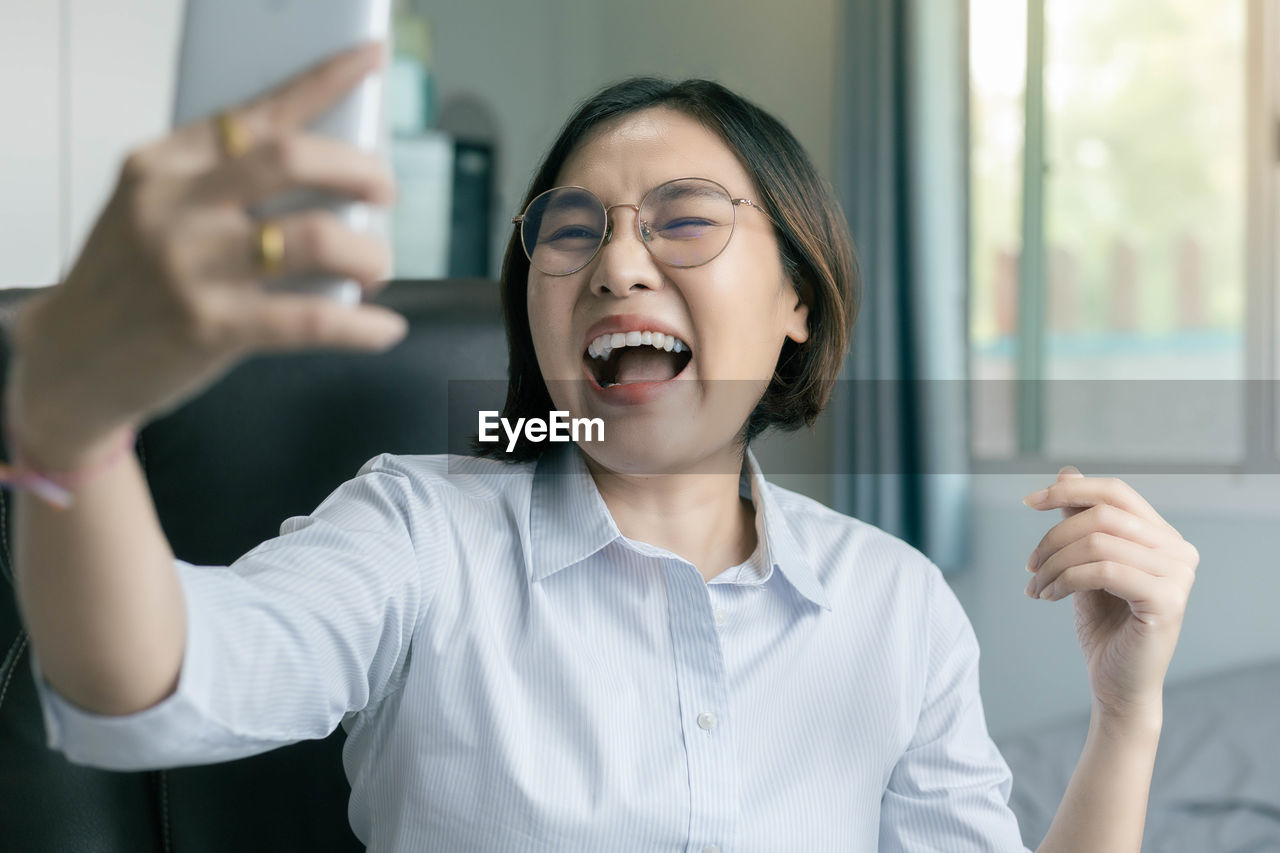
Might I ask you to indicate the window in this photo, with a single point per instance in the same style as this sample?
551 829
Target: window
1123 241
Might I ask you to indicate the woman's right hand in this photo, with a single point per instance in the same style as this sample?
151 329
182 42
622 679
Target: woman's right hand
167 294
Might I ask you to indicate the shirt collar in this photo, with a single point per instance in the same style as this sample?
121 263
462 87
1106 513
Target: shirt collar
782 549
569 521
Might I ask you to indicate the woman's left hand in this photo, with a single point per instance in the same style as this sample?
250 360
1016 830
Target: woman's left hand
1131 573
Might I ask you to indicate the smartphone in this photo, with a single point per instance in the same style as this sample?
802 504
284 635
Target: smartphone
235 50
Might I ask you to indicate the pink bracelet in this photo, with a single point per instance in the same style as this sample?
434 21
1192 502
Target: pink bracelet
55 489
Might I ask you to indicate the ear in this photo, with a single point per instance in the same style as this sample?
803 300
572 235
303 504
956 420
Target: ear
800 299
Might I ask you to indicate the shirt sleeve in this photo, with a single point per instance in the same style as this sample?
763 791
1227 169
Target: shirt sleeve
302 630
950 788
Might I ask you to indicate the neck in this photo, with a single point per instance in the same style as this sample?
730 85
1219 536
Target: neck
699 517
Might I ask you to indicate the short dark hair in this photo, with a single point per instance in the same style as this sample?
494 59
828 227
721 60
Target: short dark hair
816 248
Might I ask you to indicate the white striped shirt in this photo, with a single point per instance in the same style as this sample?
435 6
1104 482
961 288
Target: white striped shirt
514 674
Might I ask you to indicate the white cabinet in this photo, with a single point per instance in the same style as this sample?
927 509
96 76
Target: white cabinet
81 83
121 68
30 143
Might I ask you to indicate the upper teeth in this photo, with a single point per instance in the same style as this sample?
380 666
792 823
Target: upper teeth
605 344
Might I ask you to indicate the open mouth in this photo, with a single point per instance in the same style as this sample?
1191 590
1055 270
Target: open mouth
627 358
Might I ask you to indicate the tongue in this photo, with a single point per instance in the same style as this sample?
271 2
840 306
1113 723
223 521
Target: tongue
644 364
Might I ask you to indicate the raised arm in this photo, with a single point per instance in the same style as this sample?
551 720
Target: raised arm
1131 574
164 298
1105 806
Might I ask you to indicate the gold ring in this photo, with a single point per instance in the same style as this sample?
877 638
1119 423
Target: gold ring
233 139
270 248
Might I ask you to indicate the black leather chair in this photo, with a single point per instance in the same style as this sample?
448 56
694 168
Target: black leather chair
269 441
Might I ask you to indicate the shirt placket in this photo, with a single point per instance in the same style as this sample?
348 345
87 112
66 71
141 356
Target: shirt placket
706 717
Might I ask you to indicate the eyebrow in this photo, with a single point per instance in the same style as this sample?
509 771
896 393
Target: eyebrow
678 192
575 203
571 201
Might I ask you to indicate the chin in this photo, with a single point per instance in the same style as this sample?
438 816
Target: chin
687 425
686 446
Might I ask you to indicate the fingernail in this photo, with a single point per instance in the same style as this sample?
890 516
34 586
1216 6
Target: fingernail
1031 563
1069 469
1035 498
1031 588
1048 593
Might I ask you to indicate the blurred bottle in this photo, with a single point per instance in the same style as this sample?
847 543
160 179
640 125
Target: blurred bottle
472 209
422 158
413 101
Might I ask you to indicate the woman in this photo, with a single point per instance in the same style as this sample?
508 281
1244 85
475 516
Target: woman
609 645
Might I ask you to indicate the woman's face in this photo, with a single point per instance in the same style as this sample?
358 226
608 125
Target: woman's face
667 412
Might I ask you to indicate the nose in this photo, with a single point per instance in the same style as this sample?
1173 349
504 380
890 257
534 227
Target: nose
623 262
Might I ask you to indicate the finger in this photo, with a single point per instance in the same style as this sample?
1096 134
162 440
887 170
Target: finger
306 96
1103 547
196 146
1150 599
295 161
318 241
1088 491
1104 518
262 321
221 244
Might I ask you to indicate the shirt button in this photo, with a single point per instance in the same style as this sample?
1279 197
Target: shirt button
711 848
707 720
720 617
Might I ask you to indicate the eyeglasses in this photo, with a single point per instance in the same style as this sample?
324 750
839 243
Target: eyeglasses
683 223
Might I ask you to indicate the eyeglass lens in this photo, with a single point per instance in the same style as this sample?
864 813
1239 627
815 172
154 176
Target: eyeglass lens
683 223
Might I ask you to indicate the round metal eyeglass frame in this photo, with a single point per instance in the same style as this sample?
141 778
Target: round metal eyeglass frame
640 226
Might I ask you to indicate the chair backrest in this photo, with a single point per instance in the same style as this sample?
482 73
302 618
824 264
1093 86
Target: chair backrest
270 440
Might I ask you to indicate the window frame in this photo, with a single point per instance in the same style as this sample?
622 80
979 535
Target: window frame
1228 486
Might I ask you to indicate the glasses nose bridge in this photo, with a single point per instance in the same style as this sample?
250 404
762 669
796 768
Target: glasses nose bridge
608 221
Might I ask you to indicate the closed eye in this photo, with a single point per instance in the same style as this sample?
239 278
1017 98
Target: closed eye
575 233
685 227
